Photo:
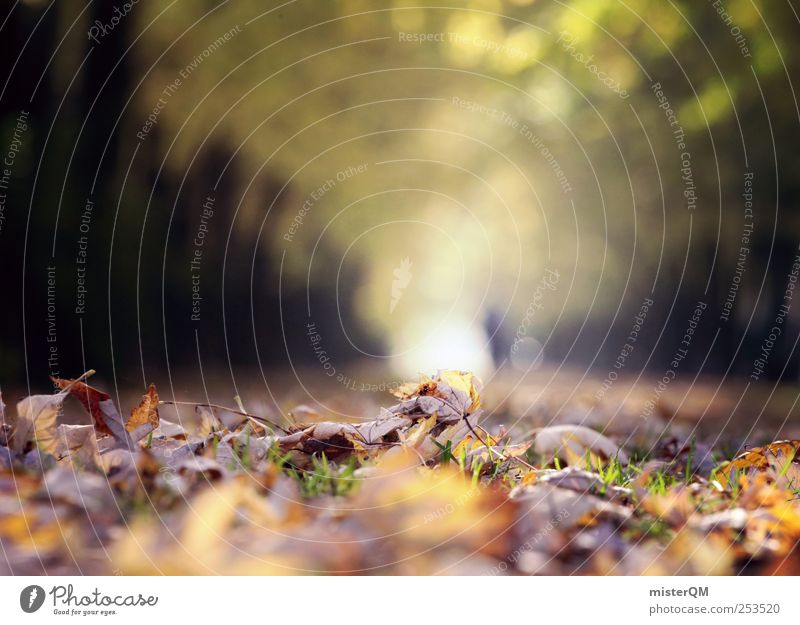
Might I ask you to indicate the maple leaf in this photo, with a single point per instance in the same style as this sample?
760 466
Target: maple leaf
98 404
144 417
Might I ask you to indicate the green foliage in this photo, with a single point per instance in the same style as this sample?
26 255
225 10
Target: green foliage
326 479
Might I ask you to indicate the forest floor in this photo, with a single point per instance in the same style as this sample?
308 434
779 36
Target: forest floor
533 478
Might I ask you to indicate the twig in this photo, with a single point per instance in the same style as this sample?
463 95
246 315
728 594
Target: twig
497 451
225 408
80 378
465 417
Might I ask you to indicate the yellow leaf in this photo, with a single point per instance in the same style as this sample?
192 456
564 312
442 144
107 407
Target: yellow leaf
144 418
529 478
463 381
777 460
417 433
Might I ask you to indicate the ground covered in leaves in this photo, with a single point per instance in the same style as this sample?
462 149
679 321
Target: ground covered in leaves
424 487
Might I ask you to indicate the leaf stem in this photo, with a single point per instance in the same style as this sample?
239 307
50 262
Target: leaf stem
465 417
225 408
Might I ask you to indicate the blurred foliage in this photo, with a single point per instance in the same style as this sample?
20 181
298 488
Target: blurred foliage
303 90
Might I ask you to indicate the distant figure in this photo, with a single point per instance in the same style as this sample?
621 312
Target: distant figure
498 345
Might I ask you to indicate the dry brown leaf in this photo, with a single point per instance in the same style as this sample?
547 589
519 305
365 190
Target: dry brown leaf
77 445
144 418
98 404
37 417
450 394
778 461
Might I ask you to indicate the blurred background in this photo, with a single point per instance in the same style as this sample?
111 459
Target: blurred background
281 196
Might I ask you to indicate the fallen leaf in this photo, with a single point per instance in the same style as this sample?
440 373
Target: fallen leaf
778 461
571 443
417 433
98 404
76 446
81 489
223 532
37 416
168 429
144 418
452 395
578 480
